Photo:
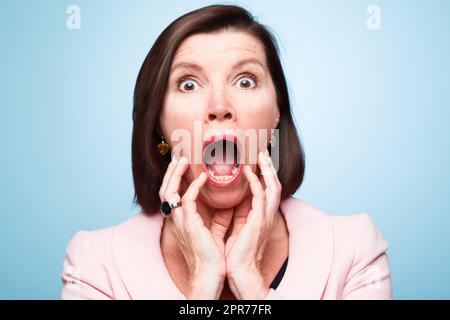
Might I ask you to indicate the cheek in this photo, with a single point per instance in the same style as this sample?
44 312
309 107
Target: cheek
179 113
179 120
257 113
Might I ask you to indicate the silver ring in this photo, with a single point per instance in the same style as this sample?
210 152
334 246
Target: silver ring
166 208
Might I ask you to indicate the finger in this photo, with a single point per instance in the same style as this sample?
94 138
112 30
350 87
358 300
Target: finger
273 185
190 196
173 184
189 207
193 222
266 168
172 165
259 196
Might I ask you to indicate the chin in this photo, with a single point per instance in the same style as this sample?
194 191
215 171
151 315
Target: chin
224 198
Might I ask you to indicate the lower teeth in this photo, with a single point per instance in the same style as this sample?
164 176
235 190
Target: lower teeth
222 178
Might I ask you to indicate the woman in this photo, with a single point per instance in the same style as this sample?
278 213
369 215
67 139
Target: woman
215 224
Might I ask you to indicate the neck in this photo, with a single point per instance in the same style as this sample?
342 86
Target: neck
221 221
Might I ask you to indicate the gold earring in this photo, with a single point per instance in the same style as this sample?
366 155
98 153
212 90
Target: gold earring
163 146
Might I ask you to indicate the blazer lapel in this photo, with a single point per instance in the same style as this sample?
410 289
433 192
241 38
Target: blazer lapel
138 257
311 246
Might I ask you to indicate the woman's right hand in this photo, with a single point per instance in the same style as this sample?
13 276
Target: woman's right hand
203 252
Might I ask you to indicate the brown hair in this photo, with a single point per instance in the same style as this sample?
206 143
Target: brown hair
148 165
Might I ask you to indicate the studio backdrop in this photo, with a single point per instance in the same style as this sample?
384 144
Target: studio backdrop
368 82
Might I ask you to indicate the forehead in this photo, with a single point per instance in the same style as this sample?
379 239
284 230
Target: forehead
224 45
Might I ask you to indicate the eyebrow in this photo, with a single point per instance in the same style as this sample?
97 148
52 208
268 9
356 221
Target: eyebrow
193 66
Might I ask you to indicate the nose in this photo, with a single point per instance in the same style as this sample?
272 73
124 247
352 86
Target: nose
219 108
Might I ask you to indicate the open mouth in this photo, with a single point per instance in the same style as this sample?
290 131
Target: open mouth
221 160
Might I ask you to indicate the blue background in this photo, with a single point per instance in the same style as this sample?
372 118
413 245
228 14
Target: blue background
372 107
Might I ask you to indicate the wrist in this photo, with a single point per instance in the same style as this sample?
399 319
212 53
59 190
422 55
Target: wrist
206 285
248 284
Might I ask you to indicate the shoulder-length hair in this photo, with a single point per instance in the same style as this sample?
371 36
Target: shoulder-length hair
148 165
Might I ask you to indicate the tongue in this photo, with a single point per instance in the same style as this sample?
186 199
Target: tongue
222 169
225 166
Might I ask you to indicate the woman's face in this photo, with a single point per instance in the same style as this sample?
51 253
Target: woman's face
219 84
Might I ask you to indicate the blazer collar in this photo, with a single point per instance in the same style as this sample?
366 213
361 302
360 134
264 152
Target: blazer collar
311 247
138 257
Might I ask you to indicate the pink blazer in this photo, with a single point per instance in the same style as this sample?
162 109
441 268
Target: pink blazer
330 257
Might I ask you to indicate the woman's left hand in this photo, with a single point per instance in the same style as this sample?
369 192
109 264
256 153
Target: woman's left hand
252 228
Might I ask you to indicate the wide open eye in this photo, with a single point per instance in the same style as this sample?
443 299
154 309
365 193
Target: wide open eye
187 85
247 82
